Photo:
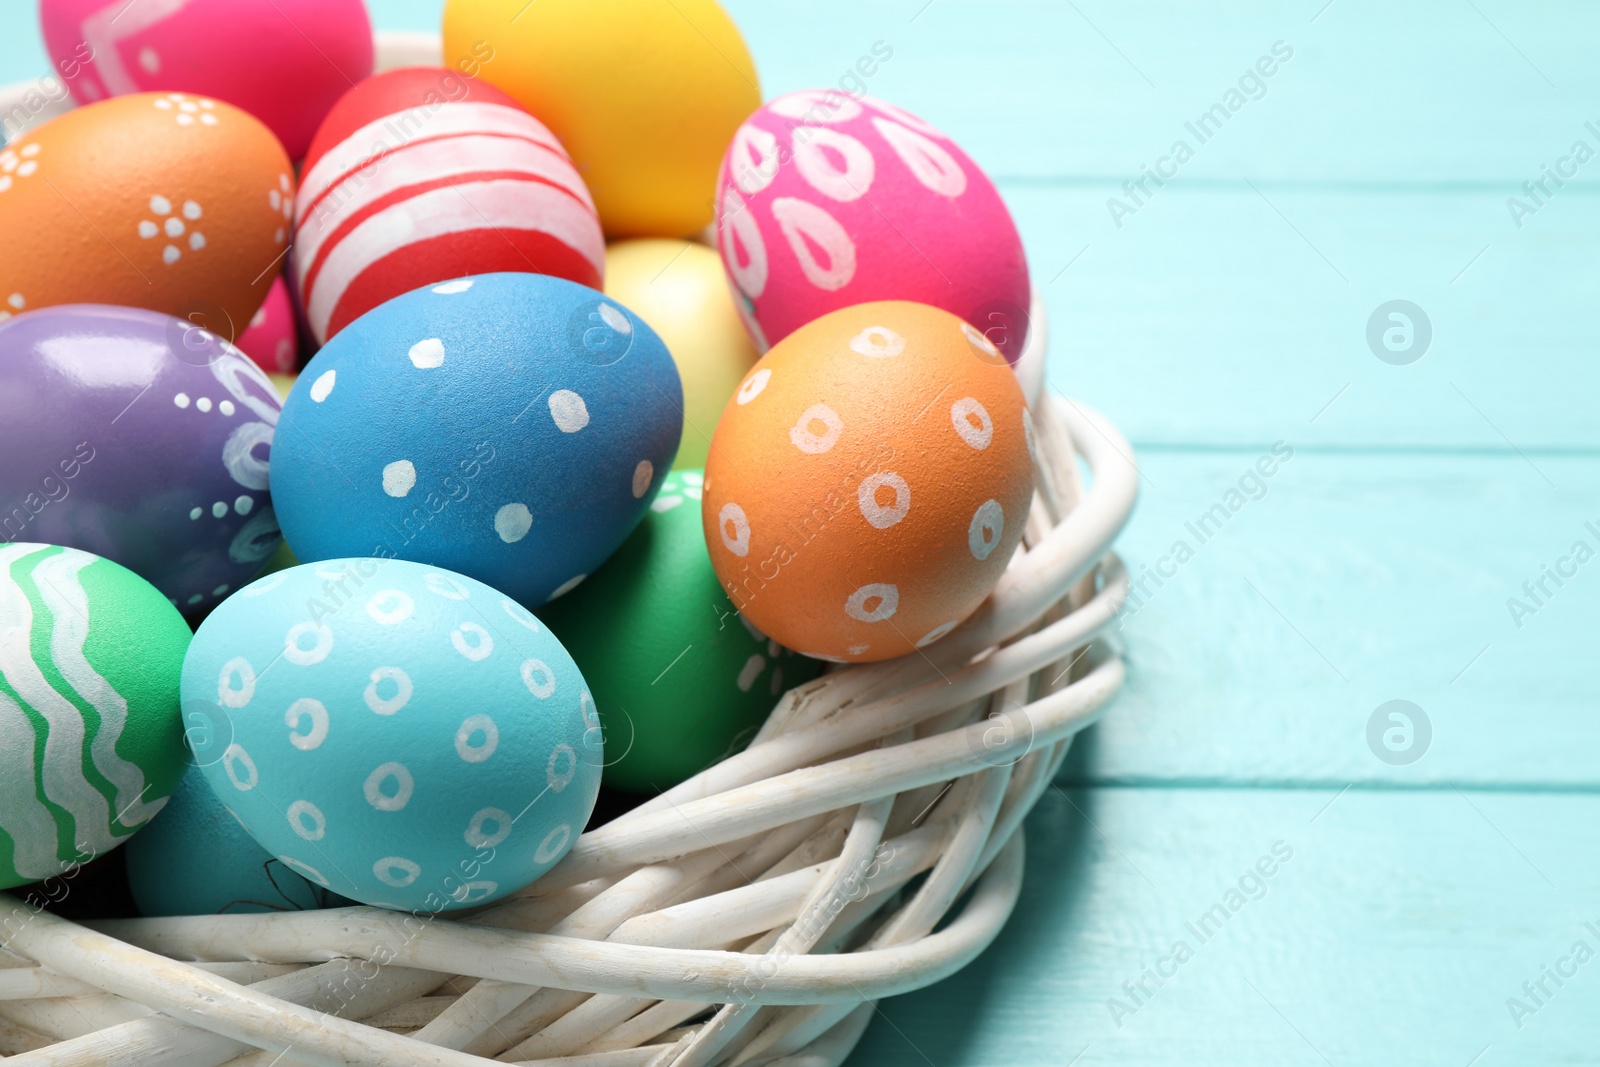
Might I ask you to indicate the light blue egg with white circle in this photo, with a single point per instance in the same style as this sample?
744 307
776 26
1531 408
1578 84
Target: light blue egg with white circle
511 427
403 735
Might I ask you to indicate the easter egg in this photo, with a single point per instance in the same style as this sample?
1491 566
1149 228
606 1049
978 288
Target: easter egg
644 95
166 201
283 61
407 737
825 201
680 679
195 858
269 338
421 175
141 438
91 742
513 427
678 288
869 481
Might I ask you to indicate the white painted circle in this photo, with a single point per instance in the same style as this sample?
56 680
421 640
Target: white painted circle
382 705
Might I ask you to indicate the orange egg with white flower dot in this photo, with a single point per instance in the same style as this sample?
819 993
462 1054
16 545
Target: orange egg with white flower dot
168 201
869 481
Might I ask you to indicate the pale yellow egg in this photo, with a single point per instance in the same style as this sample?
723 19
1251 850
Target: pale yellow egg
679 288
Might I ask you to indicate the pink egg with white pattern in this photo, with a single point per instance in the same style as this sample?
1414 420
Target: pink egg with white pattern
270 339
283 61
825 201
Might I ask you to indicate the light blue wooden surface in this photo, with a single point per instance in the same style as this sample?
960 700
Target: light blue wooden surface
1228 313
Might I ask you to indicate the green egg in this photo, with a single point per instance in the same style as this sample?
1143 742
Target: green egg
680 679
91 740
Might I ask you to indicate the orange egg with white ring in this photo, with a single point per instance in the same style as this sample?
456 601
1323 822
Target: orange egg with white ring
869 481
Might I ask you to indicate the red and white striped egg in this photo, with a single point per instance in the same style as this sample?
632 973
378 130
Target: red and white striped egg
826 201
421 175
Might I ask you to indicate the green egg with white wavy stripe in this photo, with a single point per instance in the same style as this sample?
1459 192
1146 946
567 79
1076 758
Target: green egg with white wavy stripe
680 679
91 737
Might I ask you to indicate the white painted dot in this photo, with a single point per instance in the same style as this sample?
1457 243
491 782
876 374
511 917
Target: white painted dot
539 678
568 410
693 478
305 870
665 503
753 385
616 319
240 768
170 255
164 104
642 475
27 168
471 728
566 587
182 400
553 845
220 590
5 183
323 385
459 285
195 513
474 891
208 119
283 182
388 705
188 107
150 60
519 615
274 198
488 828
396 871
278 235
472 641
873 603
512 522
219 509
1027 435
196 598
399 477
307 820
878 342
148 229
394 798
226 407
987 526
427 354
390 607
883 516
443 585
735 528
160 205
981 344
856 650
972 423
937 632
191 210
185 120
295 649
804 436
751 671
561 768
243 504
203 404
197 241
16 301
174 227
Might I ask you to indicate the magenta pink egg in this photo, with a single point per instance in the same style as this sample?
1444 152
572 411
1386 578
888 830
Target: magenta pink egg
270 339
825 201
284 61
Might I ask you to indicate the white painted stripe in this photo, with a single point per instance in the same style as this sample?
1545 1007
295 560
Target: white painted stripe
23 817
103 34
403 127
504 203
57 579
64 783
425 163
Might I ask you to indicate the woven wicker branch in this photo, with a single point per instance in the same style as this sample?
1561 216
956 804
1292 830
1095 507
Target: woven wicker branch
751 915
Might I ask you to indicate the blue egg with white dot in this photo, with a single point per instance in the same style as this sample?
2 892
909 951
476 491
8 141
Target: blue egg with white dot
510 427
399 734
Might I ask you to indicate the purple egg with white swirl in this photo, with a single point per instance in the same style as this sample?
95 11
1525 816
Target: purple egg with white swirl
141 438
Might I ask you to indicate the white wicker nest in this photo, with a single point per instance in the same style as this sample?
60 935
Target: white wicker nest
752 915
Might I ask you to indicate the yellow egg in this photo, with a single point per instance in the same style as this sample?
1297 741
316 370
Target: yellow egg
283 383
679 288
645 95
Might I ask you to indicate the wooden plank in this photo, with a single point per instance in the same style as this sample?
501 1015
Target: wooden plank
1356 579
1395 933
1222 314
